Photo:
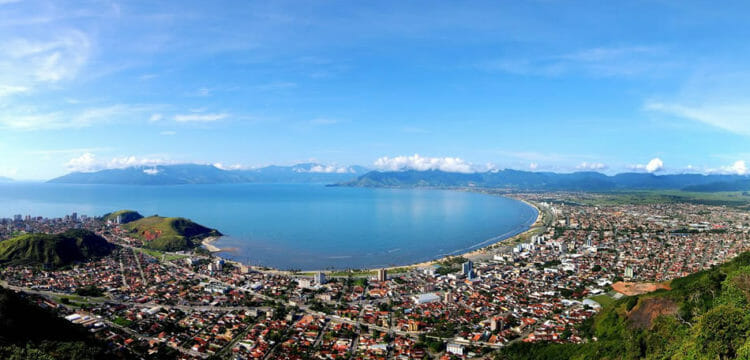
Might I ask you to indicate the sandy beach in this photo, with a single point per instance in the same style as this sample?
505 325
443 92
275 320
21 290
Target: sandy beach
474 254
208 244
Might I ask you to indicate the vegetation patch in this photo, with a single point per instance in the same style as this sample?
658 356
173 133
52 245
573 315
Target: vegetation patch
169 234
125 216
54 251
705 315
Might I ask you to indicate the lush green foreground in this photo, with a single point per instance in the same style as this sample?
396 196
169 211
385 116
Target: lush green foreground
169 234
705 316
30 332
54 250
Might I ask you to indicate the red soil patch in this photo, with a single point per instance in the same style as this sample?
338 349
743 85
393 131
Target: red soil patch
632 289
643 315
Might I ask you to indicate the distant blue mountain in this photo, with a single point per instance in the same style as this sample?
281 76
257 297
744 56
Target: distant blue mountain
548 181
359 176
209 174
5 179
303 173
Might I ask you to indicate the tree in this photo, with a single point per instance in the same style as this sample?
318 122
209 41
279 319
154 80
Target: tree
721 331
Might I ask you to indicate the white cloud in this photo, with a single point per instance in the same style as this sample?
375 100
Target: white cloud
28 118
88 162
611 53
152 171
325 169
533 166
200 117
155 117
591 166
739 167
203 92
221 166
128 161
84 163
597 62
732 117
7 90
655 165
416 162
26 63
168 132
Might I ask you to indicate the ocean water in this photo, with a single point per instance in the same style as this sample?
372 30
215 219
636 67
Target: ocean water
300 226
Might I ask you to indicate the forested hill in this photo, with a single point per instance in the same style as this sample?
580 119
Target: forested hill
54 250
169 233
704 316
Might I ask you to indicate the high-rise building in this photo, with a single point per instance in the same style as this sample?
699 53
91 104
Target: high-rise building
496 323
320 278
467 268
382 275
629 272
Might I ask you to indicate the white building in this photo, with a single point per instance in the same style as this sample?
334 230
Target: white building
455 349
425 298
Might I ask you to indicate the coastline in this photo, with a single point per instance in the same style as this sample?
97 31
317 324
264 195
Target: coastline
208 243
479 252
471 255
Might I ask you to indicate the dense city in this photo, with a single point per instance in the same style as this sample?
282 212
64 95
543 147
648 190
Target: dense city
538 286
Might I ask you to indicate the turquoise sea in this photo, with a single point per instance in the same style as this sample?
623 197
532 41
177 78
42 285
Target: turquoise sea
300 226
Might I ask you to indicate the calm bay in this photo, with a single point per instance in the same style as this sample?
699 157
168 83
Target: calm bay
300 226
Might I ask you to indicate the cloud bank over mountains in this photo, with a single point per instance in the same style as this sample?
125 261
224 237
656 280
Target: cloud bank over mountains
655 165
88 161
417 162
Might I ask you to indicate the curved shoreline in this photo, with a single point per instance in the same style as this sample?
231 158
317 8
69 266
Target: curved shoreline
477 252
473 254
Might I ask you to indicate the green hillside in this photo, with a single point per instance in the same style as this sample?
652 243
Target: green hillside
126 216
54 250
705 316
169 234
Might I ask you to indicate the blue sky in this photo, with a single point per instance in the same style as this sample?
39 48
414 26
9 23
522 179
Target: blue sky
657 86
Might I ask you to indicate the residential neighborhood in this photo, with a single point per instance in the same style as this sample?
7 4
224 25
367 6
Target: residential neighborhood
537 287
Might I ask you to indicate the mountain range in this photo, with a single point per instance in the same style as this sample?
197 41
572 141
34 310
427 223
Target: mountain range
548 181
209 174
358 176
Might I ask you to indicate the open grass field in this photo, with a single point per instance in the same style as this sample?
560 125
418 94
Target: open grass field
635 197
